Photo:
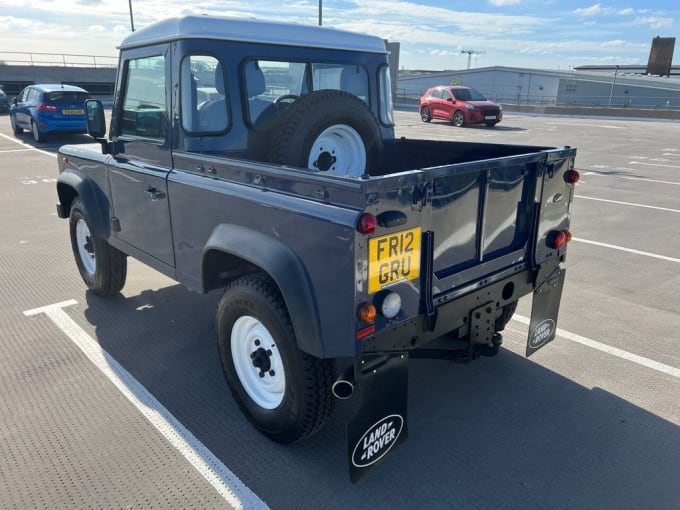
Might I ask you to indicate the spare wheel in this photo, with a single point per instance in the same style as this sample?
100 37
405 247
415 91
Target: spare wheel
327 131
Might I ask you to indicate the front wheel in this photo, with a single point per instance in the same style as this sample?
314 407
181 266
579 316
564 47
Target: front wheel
425 115
284 392
16 129
102 267
458 118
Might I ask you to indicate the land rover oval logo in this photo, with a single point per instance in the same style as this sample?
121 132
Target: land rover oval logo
542 333
377 441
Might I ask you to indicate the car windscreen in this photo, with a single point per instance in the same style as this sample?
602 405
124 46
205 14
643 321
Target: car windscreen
469 95
65 97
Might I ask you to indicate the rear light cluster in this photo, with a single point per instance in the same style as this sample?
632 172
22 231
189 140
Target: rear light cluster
558 238
367 223
46 108
388 304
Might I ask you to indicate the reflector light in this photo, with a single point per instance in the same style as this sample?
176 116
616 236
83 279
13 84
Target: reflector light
367 223
572 176
568 235
367 312
363 333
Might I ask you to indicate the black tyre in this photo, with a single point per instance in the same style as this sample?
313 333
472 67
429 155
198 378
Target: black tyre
16 129
38 135
425 115
458 118
102 267
506 315
327 131
284 392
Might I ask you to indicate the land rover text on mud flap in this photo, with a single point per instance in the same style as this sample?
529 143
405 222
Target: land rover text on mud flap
260 158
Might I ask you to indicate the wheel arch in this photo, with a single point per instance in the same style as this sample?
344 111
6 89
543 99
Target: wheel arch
233 250
71 185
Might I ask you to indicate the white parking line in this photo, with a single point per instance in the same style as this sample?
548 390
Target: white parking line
30 147
614 351
628 203
652 164
628 250
226 483
621 169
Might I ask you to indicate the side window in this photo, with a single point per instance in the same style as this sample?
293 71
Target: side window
144 104
446 94
33 96
437 93
203 95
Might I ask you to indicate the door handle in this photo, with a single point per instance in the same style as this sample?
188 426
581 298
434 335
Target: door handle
154 194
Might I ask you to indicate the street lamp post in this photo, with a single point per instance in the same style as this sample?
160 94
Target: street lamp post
320 8
611 92
132 21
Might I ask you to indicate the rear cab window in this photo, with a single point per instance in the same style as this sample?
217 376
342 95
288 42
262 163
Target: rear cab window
203 102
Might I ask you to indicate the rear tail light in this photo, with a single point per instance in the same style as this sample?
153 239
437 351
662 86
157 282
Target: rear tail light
367 223
558 238
46 108
572 176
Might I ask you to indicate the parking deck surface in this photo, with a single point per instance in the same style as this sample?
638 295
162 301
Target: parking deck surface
121 403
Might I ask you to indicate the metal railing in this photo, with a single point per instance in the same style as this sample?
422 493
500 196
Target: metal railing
408 96
56 59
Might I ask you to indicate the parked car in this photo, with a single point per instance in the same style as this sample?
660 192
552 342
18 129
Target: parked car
49 108
4 102
460 105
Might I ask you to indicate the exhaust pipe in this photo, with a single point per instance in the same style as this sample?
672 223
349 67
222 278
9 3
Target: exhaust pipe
343 387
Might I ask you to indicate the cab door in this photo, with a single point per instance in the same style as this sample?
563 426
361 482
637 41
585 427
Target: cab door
139 170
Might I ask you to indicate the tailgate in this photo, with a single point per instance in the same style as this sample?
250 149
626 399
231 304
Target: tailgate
485 218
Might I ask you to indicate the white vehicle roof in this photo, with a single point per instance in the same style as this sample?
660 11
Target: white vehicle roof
251 30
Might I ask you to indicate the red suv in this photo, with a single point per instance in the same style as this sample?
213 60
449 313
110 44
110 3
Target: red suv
460 105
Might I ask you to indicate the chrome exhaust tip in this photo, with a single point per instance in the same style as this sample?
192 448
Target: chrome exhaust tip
342 389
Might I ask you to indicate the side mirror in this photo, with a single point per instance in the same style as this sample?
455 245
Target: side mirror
15 100
450 100
96 122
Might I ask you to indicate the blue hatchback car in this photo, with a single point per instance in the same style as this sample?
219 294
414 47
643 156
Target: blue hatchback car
49 108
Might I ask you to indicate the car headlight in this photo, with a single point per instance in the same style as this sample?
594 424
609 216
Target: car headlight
470 106
500 107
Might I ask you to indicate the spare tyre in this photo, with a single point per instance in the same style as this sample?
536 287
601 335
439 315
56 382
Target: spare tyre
327 131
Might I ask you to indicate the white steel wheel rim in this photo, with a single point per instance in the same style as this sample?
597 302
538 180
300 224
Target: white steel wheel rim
342 145
83 241
251 343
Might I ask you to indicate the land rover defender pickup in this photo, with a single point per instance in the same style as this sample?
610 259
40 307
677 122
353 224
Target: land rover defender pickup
259 158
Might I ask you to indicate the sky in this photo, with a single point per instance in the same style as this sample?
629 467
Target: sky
434 34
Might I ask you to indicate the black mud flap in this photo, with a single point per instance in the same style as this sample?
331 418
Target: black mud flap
380 422
544 309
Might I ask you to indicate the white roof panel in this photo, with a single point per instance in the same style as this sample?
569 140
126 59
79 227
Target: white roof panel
251 30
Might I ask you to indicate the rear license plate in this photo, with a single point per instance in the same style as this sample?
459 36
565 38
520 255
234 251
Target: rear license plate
490 117
393 258
73 112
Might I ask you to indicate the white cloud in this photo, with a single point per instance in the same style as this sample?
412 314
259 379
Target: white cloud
443 53
593 10
503 3
625 12
654 21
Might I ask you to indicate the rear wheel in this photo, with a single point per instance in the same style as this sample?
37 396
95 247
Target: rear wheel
458 118
102 267
38 135
283 391
425 115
